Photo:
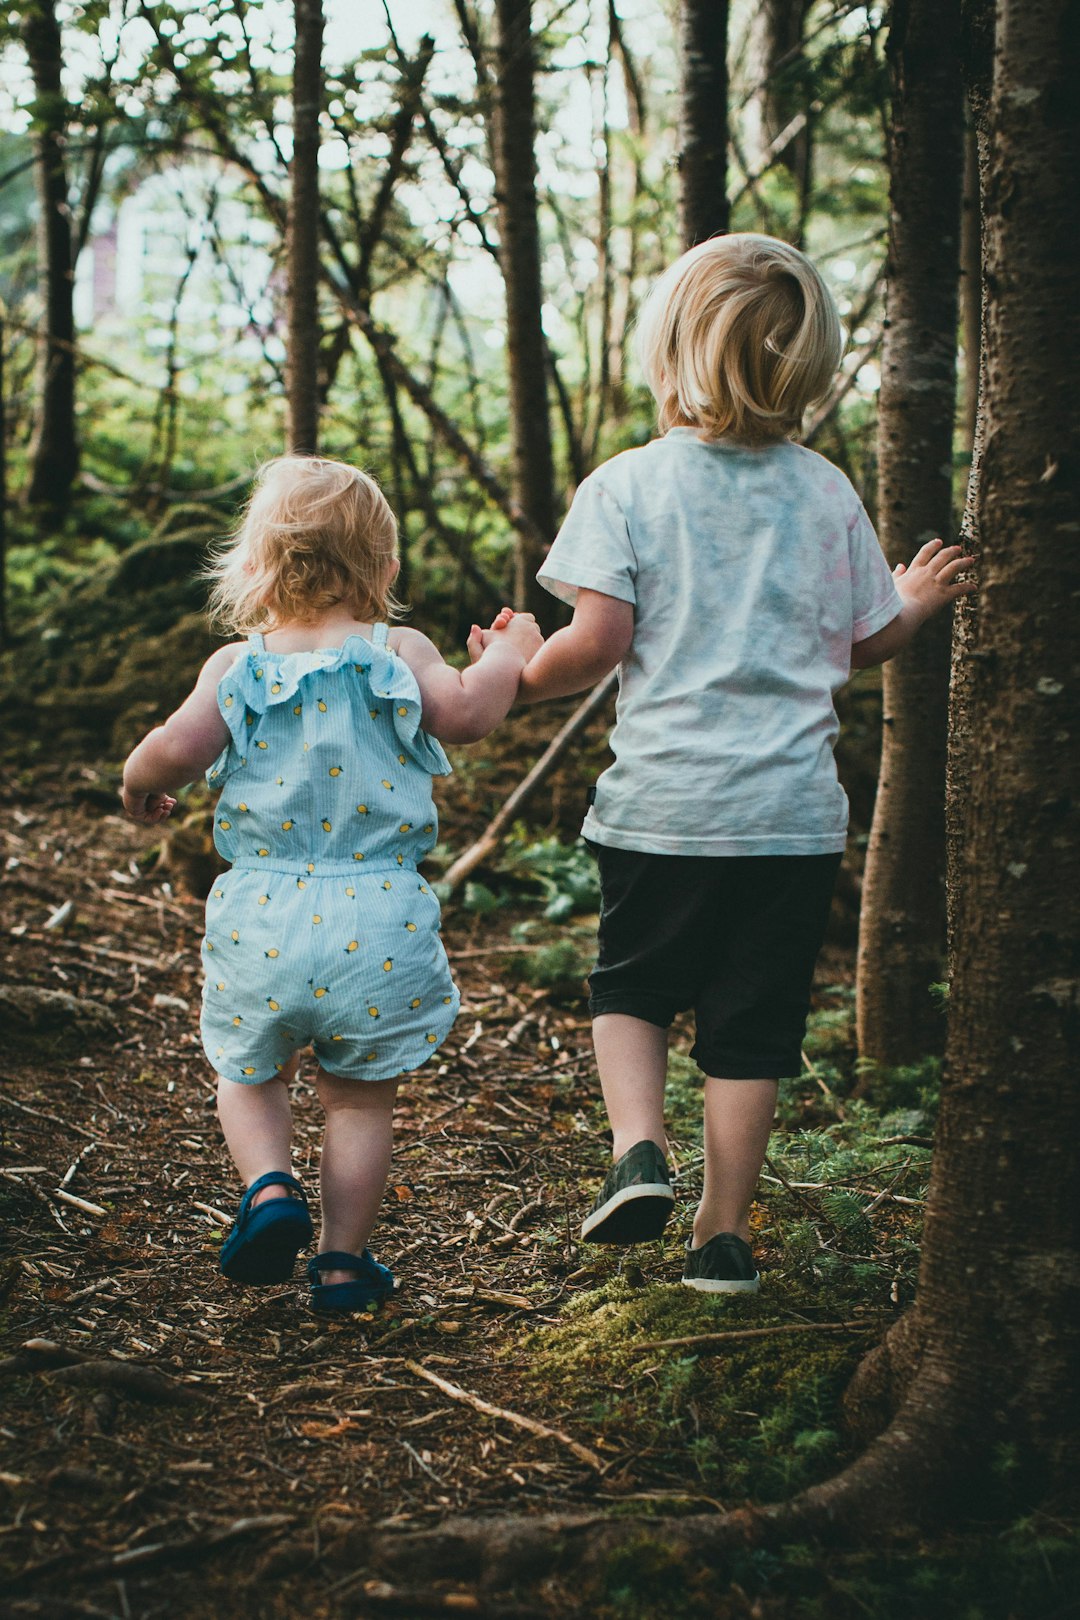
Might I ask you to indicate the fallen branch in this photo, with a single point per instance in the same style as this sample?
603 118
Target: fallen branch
490 838
709 1339
190 1550
54 1119
455 1393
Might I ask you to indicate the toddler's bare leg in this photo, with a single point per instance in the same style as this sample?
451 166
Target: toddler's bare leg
631 1056
738 1119
257 1122
355 1161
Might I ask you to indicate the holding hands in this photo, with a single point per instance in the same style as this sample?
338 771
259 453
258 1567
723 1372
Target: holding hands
517 630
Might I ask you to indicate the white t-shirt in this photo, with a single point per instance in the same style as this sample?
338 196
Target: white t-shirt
751 573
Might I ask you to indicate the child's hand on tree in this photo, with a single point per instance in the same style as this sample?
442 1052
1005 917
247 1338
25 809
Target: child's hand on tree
928 583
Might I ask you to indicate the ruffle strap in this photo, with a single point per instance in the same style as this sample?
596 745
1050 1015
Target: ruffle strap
259 679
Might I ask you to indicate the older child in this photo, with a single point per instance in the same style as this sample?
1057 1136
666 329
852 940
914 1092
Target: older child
318 731
735 579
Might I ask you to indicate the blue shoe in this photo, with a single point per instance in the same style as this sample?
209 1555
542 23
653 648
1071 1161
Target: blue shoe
263 1245
374 1283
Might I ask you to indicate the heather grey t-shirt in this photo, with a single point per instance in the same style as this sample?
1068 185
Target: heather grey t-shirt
751 573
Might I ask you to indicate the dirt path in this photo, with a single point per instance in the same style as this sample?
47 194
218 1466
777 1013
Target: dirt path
246 1475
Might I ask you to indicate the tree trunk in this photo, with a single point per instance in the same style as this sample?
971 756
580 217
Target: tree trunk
778 67
978 27
703 135
902 925
54 452
302 432
519 258
971 286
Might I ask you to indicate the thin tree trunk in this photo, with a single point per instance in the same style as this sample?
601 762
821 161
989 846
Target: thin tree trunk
902 923
703 125
54 453
519 257
778 67
302 433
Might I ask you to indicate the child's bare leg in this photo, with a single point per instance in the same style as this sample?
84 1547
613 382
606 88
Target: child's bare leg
257 1122
738 1120
355 1162
631 1057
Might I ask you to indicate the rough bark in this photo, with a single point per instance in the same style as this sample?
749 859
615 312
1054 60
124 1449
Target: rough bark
996 1327
902 923
302 374
54 452
703 127
978 28
519 257
971 286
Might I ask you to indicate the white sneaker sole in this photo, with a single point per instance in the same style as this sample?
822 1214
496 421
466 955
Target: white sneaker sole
643 1189
724 1285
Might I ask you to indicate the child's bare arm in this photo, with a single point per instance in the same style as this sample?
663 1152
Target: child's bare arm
180 750
461 706
927 585
597 638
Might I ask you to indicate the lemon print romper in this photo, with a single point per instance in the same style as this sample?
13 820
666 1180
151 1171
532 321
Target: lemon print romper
323 932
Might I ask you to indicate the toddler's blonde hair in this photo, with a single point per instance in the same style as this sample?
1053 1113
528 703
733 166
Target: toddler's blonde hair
315 534
739 337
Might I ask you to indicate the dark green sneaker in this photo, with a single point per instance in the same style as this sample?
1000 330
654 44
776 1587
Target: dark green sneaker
635 1201
724 1265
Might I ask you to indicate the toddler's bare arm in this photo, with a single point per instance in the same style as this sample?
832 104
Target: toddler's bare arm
461 706
925 587
180 750
597 638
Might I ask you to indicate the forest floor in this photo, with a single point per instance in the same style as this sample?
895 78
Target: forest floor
171 1444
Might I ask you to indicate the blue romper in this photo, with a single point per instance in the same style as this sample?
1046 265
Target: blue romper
324 932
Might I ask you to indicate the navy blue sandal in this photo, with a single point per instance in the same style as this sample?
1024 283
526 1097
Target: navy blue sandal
373 1284
263 1245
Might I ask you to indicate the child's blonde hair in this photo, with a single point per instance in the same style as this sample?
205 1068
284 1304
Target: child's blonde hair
738 337
314 534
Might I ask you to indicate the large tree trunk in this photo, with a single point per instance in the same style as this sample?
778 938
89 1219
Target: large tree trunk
902 926
519 258
302 433
54 452
992 1347
703 203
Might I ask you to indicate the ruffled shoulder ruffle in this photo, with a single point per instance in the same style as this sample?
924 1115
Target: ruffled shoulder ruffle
260 679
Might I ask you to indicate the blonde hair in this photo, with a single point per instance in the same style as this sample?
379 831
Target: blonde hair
314 534
738 337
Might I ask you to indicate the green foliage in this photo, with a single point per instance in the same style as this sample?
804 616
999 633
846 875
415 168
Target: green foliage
565 873
559 967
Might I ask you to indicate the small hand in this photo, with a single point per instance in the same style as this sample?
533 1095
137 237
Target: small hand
521 631
148 808
480 638
929 582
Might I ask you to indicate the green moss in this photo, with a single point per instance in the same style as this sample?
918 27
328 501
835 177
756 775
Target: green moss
757 1419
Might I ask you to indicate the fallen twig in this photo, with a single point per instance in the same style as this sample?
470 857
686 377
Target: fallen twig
455 1393
490 838
54 1119
754 1333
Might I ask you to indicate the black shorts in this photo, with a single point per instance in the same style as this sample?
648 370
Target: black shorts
735 937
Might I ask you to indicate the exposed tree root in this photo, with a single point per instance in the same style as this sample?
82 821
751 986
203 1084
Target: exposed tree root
902 1480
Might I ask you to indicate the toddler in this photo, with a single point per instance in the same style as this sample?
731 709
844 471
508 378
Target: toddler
319 733
735 579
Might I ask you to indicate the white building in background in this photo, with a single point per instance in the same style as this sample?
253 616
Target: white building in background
129 274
